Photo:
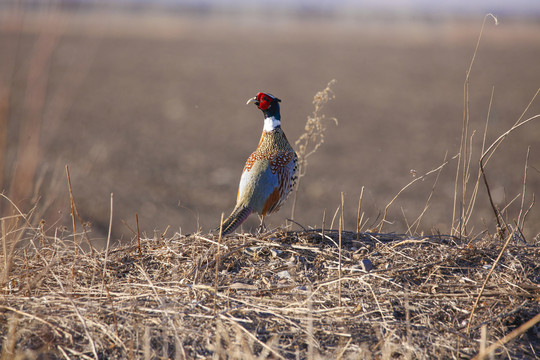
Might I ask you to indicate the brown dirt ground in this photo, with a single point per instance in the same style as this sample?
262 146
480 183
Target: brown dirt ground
151 108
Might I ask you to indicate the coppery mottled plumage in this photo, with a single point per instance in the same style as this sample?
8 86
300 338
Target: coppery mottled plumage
269 174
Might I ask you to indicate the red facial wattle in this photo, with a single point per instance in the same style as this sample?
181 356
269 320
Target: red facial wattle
264 101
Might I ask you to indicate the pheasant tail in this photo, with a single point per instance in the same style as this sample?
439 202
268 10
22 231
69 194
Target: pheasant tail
237 217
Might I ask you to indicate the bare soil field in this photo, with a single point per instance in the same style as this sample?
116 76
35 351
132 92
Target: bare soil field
151 108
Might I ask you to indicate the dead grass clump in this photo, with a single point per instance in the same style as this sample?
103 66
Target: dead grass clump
277 297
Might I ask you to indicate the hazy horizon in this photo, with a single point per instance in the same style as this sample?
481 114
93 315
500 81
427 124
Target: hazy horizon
339 8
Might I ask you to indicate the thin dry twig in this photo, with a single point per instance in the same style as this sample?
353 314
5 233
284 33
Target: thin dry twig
505 339
359 215
138 235
250 335
72 205
108 243
521 218
74 212
428 201
437 169
339 264
81 318
493 266
217 261
486 155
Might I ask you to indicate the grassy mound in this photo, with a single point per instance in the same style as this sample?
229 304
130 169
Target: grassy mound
279 295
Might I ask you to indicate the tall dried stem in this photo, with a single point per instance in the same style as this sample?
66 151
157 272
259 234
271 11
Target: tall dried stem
313 137
464 155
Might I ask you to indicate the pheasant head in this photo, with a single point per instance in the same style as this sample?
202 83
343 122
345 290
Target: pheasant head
267 103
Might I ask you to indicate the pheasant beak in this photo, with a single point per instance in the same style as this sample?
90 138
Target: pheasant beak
253 101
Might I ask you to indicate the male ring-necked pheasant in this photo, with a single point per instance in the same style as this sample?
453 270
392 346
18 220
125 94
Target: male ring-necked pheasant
270 172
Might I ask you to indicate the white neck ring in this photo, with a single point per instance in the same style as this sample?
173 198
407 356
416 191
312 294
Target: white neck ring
270 123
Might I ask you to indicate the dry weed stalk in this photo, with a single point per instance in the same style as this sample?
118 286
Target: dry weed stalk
465 151
4 115
74 212
217 261
10 341
520 222
339 262
108 243
21 178
21 174
25 178
28 157
464 202
428 202
138 234
488 153
360 214
12 231
486 279
505 339
313 137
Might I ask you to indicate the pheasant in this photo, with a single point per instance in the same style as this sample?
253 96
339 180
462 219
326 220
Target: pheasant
269 174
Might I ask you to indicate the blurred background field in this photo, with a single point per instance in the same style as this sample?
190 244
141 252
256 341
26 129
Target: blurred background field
148 103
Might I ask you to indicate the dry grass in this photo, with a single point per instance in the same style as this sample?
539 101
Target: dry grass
277 297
